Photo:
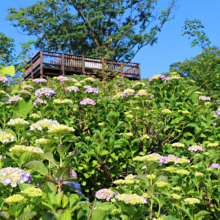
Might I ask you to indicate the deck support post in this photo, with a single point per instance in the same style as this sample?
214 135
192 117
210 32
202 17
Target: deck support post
41 63
139 71
83 65
103 69
32 73
122 69
63 65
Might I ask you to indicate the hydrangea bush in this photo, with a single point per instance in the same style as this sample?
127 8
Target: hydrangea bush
80 148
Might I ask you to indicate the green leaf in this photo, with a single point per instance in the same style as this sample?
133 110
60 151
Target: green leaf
186 211
200 214
10 70
37 166
73 201
103 152
66 216
49 156
170 217
4 214
65 201
24 186
144 179
150 191
99 213
22 109
59 197
26 216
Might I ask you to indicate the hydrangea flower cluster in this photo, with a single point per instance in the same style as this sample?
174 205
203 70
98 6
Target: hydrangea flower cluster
105 194
92 90
65 101
204 98
33 192
128 92
45 92
17 121
159 76
16 198
148 158
218 113
87 101
72 88
195 148
44 124
177 145
59 129
3 79
191 201
141 92
62 78
132 199
6 137
213 144
40 101
182 161
20 149
89 79
43 141
215 165
41 80
23 92
76 187
127 181
12 99
34 115
28 87
14 176
166 111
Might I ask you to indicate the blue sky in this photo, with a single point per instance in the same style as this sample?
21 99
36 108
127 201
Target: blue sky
171 46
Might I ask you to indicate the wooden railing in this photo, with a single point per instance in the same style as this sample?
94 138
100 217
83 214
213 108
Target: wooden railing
68 64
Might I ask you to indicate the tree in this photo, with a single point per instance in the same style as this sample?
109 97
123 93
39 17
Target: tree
85 27
10 62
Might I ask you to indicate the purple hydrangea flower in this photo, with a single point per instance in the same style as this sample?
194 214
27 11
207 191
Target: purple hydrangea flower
3 79
72 88
41 80
105 194
0 157
62 78
45 92
215 165
74 174
40 101
204 98
214 124
12 99
87 101
92 90
218 113
14 176
195 148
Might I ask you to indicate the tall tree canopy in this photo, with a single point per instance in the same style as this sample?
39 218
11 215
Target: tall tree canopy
87 27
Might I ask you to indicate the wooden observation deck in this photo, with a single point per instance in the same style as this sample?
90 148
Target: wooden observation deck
47 63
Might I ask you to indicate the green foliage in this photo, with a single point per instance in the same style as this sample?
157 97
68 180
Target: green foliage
85 27
204 69
100 145
194 29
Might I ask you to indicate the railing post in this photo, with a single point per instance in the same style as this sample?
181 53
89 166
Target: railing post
139 71
103 68
83 65
122 69
41 64
32 73
63 64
